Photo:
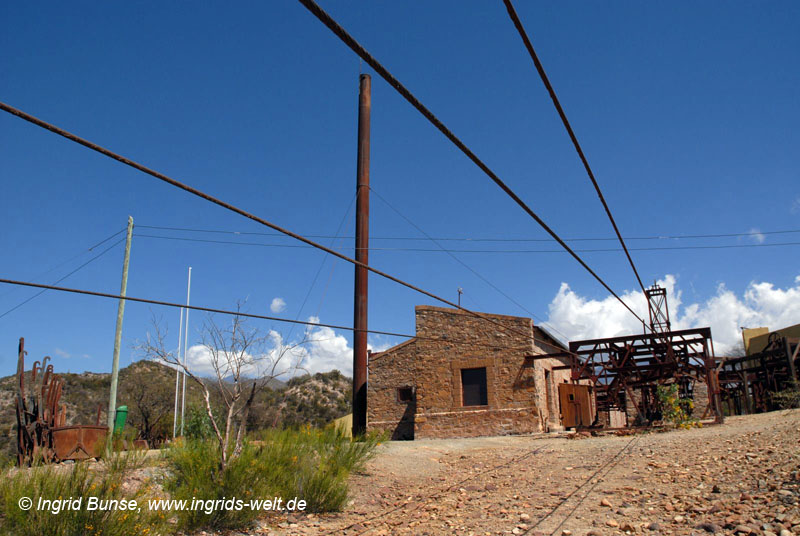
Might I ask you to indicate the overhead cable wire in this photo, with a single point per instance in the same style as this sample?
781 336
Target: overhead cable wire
194 191
540 69
484 251
59 265
538 342
321 265
479 239
251 315
112 246
558 348
345 37
333 269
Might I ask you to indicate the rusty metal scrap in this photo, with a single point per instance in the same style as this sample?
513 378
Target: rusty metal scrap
42 433
749 382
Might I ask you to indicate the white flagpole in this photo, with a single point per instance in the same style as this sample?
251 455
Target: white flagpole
177 379
185 339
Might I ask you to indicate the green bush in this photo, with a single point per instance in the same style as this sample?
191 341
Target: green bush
674 409
197 424
72 482
118 463
195 473
312 465
788 398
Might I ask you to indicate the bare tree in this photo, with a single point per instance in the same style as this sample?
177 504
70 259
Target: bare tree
242 363
737 350
145 386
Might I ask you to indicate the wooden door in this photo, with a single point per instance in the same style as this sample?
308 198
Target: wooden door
576 405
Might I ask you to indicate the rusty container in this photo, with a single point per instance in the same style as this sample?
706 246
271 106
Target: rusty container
79 442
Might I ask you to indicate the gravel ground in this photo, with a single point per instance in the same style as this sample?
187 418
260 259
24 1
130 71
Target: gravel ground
742 477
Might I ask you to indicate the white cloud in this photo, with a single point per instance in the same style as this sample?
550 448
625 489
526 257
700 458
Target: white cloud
379 344
277 305
756 235
762 304
319 349
61 353
795 206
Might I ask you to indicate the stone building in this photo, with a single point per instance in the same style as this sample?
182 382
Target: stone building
463 376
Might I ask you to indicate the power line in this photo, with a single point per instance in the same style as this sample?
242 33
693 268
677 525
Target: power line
478 239
346 38
260 317
333 269
59 265
194 191
112 246
321 265
483 251
540 68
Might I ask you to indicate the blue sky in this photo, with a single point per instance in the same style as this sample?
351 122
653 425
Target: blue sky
687 113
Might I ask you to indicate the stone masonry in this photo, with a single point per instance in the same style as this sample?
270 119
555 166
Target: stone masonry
521 394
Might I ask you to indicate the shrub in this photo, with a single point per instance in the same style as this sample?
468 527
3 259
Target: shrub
312 465
788 398
674 409
196 474
118 463
198 425
75 482
315 464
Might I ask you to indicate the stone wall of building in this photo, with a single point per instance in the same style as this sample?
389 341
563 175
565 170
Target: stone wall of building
388 372
546 388
700 399
632 407
521 393
469 342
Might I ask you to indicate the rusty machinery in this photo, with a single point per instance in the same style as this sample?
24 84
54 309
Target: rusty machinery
627 370
749 381
42 432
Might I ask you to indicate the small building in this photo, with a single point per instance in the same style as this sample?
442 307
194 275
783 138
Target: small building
465 376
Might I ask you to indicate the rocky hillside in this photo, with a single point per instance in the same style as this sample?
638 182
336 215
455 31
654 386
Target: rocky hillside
148 389
314 400
317 399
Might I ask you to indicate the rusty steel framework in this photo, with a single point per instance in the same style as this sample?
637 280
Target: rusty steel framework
627 370
659 311
748 382
42 431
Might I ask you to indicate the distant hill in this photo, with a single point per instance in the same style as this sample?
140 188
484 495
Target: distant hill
148 389
315 400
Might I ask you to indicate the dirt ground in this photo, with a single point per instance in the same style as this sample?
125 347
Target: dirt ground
742 477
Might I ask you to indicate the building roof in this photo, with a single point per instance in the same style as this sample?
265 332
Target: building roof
394 348
557 342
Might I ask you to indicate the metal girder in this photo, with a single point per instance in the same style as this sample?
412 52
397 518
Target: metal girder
752 379
638 362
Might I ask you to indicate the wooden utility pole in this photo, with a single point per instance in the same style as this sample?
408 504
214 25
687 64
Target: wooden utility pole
112 398
362 256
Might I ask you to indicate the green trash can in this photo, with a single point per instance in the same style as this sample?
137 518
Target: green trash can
120 418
